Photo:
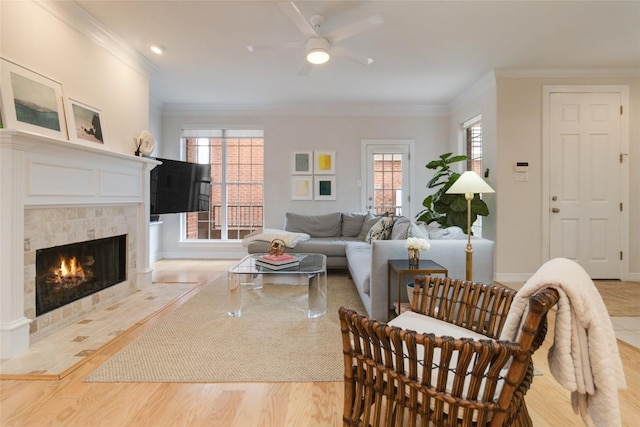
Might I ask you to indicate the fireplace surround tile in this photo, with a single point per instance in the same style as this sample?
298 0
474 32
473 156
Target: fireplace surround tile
55 226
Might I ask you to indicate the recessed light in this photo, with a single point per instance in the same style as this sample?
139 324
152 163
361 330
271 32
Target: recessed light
157 49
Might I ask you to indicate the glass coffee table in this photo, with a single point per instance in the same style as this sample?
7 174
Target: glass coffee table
312 271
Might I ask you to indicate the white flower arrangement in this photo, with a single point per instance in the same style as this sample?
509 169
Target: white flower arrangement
417 243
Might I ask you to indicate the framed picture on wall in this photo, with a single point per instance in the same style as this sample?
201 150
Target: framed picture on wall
84 122
324 162
324 187
31 102
301 187
301 162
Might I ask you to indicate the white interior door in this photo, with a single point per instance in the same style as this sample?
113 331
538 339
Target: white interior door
585 181
386 176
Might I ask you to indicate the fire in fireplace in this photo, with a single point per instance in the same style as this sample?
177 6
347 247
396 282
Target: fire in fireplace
67 273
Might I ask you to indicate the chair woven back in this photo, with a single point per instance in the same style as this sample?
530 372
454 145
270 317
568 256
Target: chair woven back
396 377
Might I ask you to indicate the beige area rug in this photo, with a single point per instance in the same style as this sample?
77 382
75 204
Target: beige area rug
622 299
273 340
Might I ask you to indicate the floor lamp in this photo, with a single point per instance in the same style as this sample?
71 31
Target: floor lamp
469 184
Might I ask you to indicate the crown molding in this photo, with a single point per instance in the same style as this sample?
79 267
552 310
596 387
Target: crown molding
340 110
476 90
567 72
78 18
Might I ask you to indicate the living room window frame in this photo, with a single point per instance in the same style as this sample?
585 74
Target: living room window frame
223 133
472 136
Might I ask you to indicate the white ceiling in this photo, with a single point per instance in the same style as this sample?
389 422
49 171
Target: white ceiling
426 53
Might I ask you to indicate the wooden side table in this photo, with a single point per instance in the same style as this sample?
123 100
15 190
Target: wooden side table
401 268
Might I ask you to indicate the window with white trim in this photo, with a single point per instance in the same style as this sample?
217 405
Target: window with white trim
236 206
473 138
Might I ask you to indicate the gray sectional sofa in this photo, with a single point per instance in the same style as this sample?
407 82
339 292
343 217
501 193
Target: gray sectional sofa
347 241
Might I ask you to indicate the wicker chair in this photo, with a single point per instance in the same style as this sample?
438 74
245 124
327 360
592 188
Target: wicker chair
467 383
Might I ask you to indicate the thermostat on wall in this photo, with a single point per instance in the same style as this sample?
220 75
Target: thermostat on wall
522 167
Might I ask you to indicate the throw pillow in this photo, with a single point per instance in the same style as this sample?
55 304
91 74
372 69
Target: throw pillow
400 227
368 222
418 231
352 223
381 230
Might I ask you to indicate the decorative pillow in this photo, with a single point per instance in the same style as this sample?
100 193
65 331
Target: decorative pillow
268 234
400 227
381 230
329 225
417 230
352 223
367 223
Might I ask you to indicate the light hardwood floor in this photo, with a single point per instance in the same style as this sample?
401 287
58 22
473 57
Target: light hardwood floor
72 402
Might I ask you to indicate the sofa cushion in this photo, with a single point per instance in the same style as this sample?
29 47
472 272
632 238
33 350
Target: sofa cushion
352 224
359 257
329 225
381 230
369 221
400 227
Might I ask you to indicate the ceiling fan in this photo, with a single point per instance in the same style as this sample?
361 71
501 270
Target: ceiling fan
319 46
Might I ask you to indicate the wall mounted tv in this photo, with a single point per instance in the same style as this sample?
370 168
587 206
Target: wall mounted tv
178 187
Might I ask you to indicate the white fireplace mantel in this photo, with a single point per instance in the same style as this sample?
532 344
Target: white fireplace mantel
38 171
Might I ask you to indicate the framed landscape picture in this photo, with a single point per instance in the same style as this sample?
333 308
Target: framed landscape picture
84 122
324 162
324 187
301 162
301 188
31 102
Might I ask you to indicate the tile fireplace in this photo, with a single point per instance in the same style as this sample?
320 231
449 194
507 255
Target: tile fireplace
58 194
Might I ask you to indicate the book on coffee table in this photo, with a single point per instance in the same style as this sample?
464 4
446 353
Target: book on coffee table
282 266
278 259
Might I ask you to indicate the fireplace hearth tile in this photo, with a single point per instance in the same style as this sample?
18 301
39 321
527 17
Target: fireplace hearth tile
58 351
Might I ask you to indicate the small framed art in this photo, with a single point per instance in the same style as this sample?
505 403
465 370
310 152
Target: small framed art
84 122
324 162
301 187
324 187
31 102
301 162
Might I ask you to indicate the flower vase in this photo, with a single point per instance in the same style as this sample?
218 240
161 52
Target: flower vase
414 258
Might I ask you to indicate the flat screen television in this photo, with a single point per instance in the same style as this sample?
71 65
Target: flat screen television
178 187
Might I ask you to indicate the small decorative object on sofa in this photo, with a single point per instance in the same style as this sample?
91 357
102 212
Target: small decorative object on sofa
414 246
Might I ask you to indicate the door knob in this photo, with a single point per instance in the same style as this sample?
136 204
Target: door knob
555 210
554 198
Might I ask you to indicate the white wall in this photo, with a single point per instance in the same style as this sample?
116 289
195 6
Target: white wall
519 131
479 99
284 134
50 41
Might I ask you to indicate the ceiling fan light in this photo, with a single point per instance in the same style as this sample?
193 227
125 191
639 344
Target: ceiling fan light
317 51
317 56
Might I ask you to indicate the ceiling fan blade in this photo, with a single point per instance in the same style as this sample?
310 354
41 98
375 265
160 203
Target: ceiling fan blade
362 59
291 10
354 28
257 47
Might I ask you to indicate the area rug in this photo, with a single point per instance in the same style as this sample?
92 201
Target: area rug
273 340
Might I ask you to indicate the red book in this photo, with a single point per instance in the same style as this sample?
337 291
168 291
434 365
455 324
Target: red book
276 259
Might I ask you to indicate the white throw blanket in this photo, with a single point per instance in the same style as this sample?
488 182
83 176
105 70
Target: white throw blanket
289 238
584 356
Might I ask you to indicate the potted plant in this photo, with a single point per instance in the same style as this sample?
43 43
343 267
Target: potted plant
448 209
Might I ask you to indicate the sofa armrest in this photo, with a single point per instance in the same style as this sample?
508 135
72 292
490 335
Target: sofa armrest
450 253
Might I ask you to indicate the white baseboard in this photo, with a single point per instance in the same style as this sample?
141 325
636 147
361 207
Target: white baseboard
634 277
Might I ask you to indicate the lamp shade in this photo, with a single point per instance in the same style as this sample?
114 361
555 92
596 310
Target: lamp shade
317 50
470 182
